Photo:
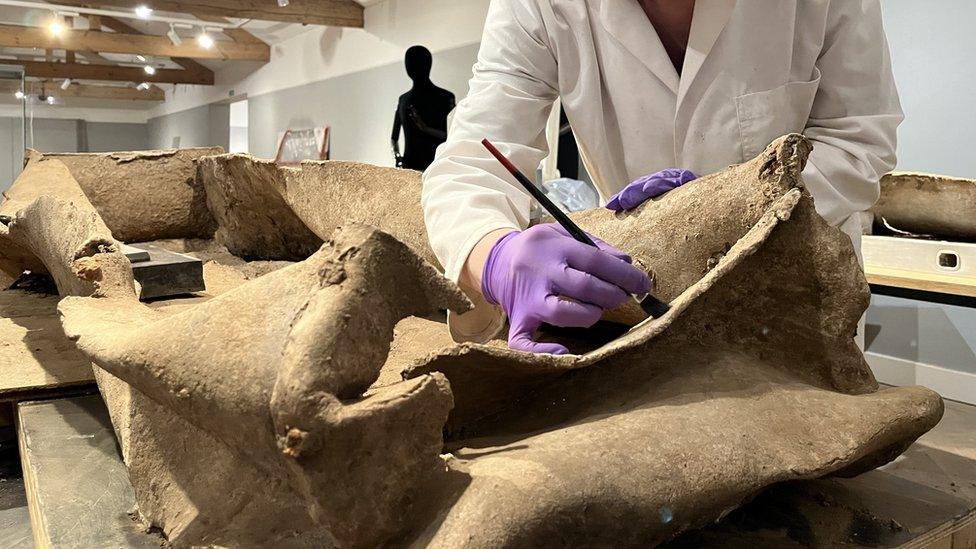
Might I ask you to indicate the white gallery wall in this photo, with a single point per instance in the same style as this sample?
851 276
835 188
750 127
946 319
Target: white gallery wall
348 79
933 55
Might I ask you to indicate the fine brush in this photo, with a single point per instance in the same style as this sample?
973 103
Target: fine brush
651 305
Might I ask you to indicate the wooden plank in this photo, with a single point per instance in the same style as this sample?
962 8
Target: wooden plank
154 93
39 69
337 13
92 56
35 354
913 280
144 44
237 34
965 537
78 489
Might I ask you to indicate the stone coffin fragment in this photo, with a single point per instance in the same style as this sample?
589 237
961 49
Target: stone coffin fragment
275 370
925 204
264 406
185 480
143 195
751 379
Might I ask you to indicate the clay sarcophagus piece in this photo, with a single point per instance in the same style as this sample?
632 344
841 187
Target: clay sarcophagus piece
323 403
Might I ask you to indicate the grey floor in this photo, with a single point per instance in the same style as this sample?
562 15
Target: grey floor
15 528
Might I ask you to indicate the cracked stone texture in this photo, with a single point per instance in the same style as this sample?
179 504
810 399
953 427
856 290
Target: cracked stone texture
928 204
308 418
143 195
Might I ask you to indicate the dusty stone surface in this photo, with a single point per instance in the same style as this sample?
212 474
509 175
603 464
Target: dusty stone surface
143 195
278 402
927 204
165 454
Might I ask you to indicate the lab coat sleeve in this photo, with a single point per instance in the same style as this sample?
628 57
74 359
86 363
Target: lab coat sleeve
466 192
855 113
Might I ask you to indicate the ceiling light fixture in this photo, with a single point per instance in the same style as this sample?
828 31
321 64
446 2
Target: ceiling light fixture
141 58
66 83
143 86
282 3
56 26
143 12
205 41
150 70
50 100
174 36
19 94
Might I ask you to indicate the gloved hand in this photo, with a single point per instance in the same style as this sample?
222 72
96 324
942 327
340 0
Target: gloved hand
530 273
647 187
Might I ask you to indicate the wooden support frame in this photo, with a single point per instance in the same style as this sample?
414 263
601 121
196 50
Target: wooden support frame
78 71
135 43
337 13
88 91
118 25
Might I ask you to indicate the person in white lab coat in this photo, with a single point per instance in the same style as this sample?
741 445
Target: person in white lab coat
647 85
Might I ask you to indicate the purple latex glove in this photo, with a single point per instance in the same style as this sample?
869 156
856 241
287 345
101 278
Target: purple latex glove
530 273
649 186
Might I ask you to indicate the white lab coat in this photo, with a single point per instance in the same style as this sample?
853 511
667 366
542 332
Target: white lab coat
754 70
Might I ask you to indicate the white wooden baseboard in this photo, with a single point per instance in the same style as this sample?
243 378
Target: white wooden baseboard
951 384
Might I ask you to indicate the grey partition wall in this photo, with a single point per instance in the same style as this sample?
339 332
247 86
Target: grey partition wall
13 135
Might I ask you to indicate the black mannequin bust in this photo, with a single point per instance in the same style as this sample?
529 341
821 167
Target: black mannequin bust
421 112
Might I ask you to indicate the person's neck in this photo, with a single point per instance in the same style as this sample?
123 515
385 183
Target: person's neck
672 21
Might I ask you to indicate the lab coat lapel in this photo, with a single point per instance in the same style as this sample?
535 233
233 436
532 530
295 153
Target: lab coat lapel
707 23
626 21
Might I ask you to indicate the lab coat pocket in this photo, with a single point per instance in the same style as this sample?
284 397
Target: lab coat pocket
766 115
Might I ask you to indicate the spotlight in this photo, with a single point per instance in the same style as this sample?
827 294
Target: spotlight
150 70
141 58
143 12
66 83
19 94
282 3
205 41
174 36
50 100
55 27
143 86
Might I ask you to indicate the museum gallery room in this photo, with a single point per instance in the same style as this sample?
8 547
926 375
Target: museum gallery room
487 274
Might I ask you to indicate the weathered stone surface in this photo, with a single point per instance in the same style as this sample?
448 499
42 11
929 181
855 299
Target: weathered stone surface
926 204
254 220
143 195
186 482
275 369
769 275
268 211
278 402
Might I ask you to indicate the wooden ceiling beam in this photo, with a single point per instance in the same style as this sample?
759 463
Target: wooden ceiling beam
336 13
143 44
89 91
118 25
94 57
237 34
78 71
